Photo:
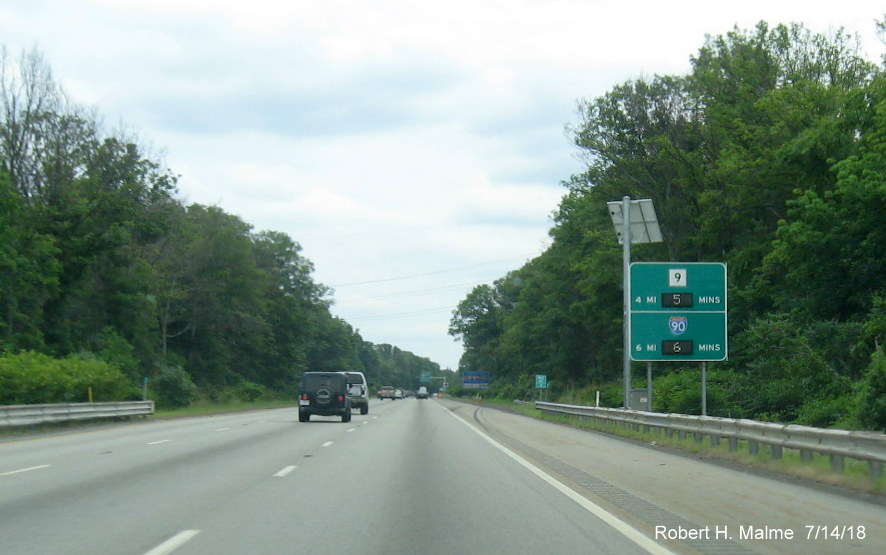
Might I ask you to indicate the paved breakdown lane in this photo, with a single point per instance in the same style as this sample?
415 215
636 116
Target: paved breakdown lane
707 507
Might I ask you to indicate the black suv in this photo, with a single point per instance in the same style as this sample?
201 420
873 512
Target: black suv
326 394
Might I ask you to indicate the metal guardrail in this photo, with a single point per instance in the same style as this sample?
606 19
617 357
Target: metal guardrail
28 415
838 444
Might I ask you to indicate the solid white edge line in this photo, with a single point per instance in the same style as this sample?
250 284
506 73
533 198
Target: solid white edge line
625 529
158 442
20 470
173 543
285 471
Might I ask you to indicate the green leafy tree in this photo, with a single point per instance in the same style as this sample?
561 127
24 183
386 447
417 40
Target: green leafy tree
772 99
831 246
224 309
335 346
294 302
872 395
476 322
29 270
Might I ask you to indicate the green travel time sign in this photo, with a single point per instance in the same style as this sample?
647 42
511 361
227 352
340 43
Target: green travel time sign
678 311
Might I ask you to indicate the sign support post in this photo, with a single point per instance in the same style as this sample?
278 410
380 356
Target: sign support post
649 386
626 287
704 388
635 222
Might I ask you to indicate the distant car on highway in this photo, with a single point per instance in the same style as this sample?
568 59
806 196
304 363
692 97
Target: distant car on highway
386 392
398 394
422 393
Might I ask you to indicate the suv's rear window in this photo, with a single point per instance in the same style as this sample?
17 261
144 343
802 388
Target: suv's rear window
313 382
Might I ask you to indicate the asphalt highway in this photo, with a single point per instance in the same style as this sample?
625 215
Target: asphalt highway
412 476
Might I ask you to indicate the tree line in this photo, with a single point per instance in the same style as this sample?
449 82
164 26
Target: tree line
769 155
100 261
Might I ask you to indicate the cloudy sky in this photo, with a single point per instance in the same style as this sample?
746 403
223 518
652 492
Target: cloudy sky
414 149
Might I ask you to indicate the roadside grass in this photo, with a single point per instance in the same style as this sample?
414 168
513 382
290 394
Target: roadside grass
855 475
207 408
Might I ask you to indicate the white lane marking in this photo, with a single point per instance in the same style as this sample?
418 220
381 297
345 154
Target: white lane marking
618 524
173 543
222 429
283 473
20 470
351 429
328 443
158 442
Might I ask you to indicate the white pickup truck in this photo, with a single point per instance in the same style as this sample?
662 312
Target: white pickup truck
387 392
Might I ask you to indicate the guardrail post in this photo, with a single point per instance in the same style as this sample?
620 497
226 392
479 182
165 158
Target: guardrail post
715 440
876 470
837 463
753 447
776 451
806 455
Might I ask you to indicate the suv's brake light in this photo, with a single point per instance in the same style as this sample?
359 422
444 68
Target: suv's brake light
341 398
304 396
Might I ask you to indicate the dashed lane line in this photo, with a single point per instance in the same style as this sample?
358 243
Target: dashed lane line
20 470
285 471
174 542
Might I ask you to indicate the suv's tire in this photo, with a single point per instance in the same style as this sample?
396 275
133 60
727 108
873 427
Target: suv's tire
304 416
364 410
346 417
